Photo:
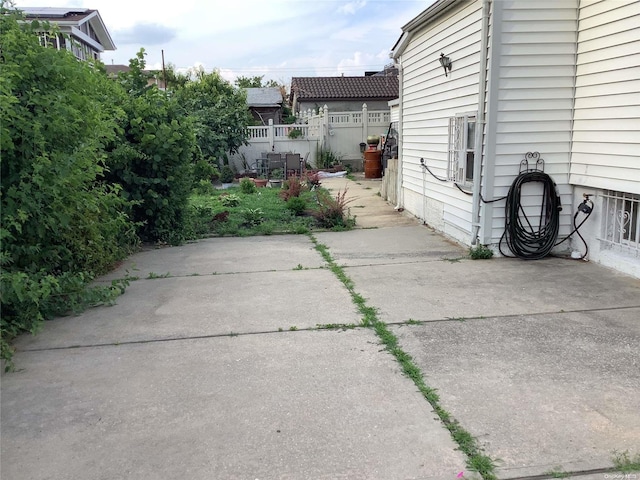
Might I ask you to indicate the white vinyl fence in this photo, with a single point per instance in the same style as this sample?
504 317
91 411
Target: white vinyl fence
340 132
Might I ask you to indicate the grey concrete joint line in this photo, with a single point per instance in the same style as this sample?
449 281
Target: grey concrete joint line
194 337
509 315
579 473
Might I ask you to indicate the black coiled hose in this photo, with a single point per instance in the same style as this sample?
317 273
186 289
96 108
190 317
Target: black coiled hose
524 239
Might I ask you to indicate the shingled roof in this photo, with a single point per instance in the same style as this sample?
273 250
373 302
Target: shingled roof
323 88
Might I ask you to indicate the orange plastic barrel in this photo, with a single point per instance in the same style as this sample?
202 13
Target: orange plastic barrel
373 164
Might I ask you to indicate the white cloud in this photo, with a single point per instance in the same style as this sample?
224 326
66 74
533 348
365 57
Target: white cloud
352 7
275 38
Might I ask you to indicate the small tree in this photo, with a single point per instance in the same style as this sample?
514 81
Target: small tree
219 112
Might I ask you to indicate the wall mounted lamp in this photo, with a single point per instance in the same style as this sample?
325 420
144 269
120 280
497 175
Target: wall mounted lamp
446 63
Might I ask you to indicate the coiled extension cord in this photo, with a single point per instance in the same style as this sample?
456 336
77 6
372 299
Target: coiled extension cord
524 239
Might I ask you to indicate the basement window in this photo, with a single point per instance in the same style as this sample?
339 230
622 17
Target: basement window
462 133
621 221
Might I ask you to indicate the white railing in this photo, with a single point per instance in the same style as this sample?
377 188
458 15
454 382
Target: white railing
621 221
340 132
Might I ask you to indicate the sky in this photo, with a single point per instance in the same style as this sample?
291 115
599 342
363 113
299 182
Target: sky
277 39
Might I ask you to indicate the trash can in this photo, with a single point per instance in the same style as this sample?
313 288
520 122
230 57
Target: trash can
373 164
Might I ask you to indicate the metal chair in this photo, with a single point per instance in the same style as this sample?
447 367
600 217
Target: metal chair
294 164
275 161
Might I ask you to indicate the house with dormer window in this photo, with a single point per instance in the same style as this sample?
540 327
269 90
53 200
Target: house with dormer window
80 30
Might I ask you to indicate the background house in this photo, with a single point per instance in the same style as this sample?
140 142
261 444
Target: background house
265 104
343 94
155 76
559 78
82 31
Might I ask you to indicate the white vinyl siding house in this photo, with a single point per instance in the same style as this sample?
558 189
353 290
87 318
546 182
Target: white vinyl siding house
606 120
532 69
562 79
605 156
429 100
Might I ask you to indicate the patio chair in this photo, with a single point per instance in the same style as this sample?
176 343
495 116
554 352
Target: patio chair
294 164
275 161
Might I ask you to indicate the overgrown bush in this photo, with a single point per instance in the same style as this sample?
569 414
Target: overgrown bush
61 224
291 188
332 212
219 113
325 158
152 158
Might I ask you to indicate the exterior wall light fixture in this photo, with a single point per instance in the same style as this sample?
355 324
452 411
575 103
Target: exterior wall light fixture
446 63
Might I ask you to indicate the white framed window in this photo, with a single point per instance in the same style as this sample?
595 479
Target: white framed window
462 134
621 220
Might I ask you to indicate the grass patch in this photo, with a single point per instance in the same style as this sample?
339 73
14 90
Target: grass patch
249 212
476 459
557 472
625 462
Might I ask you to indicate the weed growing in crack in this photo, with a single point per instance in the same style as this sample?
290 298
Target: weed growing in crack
625 462
476 460
153 275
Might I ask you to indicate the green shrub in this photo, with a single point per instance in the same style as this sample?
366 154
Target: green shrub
226 174
230 200
480 252
295 133
247 186
152 157
296 205
61 223
252 216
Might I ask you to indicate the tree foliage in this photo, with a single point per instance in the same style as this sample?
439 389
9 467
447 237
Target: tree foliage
61 226
254 82
219 112
90 166
151 158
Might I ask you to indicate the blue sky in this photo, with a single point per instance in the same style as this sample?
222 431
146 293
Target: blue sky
275 38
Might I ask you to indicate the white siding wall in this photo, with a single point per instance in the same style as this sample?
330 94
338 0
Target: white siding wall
606 139
429 99
530 100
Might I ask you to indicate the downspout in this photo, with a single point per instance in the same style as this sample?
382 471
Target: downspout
480 123
399 193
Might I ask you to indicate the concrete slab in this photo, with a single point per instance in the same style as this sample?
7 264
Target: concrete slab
222 255
384 246
365 203
472 288
204 305
538 392
292 405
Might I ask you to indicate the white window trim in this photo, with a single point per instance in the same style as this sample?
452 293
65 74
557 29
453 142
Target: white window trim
460 145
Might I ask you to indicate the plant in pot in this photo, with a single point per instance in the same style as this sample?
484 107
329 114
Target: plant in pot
226 175
261 181
275 178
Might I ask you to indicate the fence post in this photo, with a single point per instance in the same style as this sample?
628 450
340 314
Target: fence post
325 126
365 122
271 135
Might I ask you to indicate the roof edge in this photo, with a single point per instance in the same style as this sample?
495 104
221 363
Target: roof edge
431 13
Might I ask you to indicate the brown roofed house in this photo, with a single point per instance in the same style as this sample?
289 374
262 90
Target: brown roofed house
345 94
